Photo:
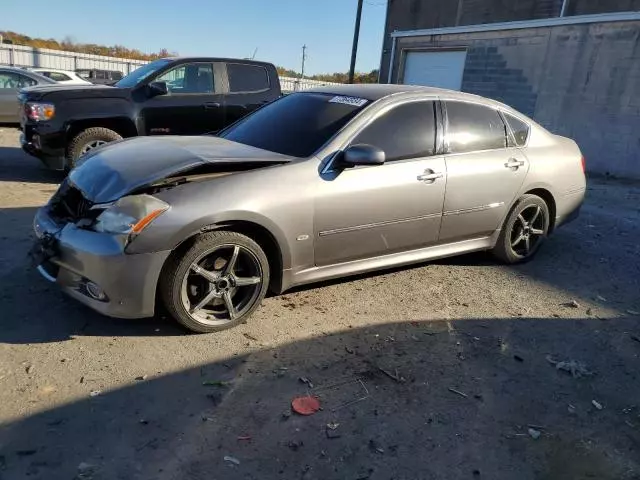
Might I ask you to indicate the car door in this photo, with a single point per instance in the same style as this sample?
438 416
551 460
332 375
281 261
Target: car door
193 105
483 173
367 211
249 88
10 84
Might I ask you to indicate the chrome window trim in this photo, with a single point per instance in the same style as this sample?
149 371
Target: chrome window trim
472 209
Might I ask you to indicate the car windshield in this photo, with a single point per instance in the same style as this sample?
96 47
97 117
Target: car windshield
141 73
297 124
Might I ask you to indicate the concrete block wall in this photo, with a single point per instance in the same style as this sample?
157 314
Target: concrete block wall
423 14
581 81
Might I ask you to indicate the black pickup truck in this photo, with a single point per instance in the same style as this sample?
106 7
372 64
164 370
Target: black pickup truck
170 96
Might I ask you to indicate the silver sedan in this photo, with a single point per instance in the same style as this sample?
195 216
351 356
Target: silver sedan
11 81
316 185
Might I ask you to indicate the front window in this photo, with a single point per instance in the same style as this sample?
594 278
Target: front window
189 78
298 124
139 74
405 131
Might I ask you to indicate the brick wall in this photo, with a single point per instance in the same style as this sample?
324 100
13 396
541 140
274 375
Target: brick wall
582 81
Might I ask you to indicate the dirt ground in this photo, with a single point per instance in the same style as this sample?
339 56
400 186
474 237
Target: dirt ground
442 371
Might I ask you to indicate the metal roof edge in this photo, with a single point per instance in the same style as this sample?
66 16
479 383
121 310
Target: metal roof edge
519 24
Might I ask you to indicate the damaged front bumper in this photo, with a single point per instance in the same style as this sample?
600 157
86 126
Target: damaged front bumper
94 269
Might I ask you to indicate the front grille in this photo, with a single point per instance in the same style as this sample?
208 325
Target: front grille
69 204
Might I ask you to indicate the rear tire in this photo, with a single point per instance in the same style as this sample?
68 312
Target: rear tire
87 140
524 231
216 283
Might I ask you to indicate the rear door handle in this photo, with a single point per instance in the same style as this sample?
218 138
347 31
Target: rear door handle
210 105
514 163
429 176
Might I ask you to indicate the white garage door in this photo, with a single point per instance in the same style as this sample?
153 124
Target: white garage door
435 69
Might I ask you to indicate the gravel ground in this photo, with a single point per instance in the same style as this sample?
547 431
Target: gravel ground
442 371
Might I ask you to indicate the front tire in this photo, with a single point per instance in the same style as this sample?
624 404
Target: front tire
216 283
87 140
524 231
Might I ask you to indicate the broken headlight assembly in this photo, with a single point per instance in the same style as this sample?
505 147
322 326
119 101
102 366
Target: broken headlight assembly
129 215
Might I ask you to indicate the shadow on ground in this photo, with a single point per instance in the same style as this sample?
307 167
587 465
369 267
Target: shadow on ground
441 400
17 166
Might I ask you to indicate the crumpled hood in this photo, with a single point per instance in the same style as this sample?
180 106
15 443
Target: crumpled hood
121 167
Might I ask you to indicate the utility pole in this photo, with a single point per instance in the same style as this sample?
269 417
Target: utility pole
459 12
304 57
354 49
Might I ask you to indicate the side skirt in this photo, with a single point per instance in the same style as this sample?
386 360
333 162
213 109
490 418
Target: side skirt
317 274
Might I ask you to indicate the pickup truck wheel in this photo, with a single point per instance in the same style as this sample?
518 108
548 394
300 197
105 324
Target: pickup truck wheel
216 283
88 140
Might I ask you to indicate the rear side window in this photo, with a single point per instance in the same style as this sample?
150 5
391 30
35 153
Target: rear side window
474 127
101 75
519 128
11 80
116 75
406 131
247 78
57 76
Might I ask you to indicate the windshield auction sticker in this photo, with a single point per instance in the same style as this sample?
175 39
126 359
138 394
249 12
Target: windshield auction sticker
354 101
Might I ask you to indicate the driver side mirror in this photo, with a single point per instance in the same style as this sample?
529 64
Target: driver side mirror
158 88
363 154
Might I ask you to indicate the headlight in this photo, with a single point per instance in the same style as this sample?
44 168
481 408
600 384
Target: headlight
39 112
129 215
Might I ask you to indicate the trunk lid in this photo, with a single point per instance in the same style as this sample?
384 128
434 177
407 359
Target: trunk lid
122 167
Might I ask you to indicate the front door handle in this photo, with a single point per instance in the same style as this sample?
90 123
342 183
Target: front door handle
514 163
211 105
429 176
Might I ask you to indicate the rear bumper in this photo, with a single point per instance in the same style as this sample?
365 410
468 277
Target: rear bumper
94 269
568 207
45 144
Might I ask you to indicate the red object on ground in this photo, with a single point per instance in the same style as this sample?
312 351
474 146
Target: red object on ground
305 405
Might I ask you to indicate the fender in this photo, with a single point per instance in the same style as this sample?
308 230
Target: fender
210 222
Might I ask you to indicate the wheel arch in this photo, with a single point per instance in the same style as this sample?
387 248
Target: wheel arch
549 199
263 236
121 125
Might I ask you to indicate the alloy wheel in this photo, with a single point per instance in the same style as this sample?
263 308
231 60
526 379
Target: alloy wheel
222 284
528 230
91 145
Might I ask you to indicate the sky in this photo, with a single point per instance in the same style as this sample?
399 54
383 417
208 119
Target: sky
224 28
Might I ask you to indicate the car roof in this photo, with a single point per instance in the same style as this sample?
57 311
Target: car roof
217 59
13 69
26 72
376 91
